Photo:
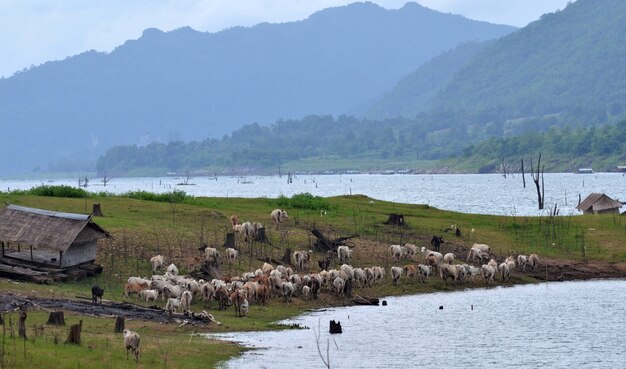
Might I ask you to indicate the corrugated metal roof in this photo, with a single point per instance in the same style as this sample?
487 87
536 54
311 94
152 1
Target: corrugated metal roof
43 228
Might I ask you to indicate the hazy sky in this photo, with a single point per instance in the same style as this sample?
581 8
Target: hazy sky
35 31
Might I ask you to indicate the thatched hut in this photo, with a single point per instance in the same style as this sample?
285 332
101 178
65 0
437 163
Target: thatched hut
48 238
599 203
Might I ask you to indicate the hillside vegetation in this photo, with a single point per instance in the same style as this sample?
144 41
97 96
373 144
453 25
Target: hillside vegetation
566 149
567 65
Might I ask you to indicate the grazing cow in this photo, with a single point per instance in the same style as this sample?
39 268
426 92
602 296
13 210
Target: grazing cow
482 247
301 258
237 298
134 288
131 342
344 254
410 270
221 295
306 291
488 272
96 294
211 254
156 262
448 258
279 216
521 261
432 258
436 242
424 271
396 273
410 250
449 271
396 252
172 304
476 255
149 295
287 289
338 284
231 254
533 260
185 301
171 269
263 294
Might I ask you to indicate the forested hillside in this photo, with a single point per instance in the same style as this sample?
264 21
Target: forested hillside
565 68
563 149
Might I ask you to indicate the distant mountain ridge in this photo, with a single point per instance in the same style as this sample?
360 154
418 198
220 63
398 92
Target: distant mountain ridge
187 85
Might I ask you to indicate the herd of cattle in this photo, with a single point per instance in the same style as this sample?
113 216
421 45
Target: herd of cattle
179 292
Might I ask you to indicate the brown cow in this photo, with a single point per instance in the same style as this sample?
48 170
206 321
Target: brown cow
134 288
221 295
237 298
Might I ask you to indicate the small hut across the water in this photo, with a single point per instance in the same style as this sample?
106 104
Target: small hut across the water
599 203
50 239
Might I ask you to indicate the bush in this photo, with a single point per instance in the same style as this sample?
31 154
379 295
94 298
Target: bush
303 201
174 196
55 191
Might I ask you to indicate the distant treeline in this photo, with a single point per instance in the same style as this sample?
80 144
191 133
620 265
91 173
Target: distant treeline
428 136
563 148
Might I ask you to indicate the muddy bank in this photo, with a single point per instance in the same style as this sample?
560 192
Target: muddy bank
9 302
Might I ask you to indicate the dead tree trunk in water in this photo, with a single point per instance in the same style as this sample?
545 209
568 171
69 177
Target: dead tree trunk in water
523 176
537 178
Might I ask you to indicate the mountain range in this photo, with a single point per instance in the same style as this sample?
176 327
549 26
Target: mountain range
185 84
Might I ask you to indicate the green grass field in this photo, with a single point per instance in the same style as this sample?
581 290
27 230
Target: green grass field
142 229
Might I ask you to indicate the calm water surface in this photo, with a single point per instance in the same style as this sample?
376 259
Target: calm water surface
553 325
468 193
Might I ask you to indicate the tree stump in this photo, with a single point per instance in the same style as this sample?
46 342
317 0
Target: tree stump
22 324
119 324
396 219
262 237
56 318
230 240
96 212
287 256
73 335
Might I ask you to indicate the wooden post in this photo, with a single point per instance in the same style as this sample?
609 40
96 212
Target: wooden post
96 211
18 247
119 324
56 318
31 253
73 335
60 258
22 323
2 248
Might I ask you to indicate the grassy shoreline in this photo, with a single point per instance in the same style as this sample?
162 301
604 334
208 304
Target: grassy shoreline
145 228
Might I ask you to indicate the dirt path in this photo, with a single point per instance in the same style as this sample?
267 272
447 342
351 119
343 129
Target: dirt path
10 302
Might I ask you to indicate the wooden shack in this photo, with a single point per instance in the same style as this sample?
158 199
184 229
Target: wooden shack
599 203
51 239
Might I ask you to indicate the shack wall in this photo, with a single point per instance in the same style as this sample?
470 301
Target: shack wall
80 253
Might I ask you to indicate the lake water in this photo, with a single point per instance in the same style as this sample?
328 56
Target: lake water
468 193
550 325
